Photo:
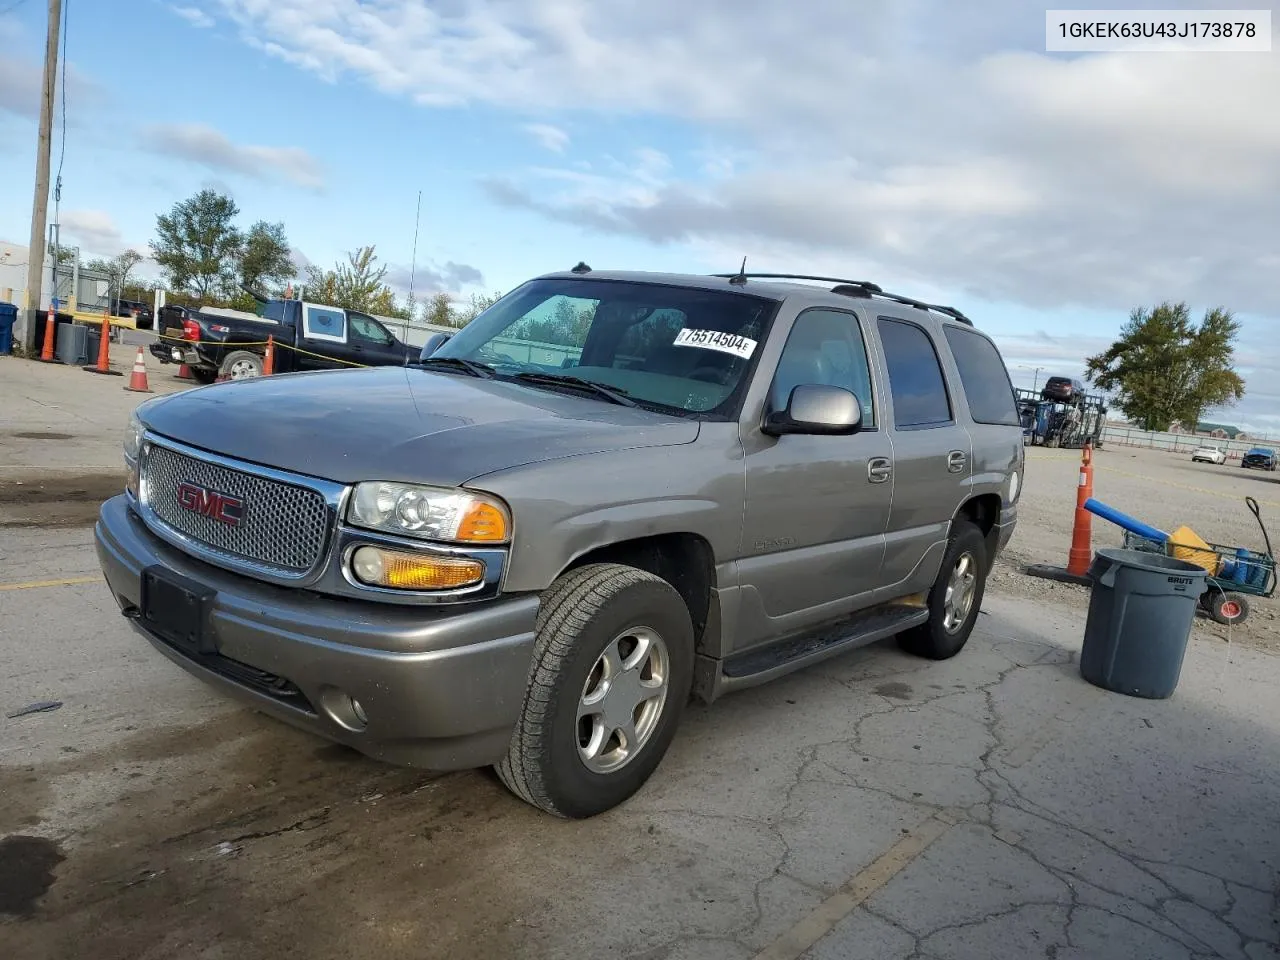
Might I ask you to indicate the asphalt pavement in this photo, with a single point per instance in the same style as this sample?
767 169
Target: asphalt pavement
878 806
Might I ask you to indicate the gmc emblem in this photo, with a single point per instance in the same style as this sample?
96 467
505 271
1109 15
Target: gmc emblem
210 503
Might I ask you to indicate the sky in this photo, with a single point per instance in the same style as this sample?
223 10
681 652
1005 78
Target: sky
934 148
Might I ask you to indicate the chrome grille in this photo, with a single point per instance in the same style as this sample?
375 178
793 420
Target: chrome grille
284 527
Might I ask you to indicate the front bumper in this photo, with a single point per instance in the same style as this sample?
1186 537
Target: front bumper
439 690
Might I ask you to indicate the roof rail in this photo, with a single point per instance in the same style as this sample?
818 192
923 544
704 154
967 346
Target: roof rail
854 288
865 284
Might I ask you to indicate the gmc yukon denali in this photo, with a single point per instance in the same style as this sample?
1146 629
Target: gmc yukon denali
609 493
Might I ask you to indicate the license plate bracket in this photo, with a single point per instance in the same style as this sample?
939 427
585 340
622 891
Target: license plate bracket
176 608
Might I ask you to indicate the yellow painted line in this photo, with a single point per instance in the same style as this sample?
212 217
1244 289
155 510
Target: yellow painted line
856 891
37 584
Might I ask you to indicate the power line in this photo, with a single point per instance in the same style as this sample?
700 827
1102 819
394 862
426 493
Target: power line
66 5
11 7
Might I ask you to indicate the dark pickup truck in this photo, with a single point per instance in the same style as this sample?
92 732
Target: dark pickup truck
218 344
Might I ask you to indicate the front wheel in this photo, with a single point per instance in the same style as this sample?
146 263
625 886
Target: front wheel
955 599
611 673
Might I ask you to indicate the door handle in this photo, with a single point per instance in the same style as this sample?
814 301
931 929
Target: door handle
956 460
879 469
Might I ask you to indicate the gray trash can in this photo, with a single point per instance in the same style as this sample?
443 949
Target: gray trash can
1140 615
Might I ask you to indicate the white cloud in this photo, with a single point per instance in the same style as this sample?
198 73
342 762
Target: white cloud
194 16
933 143
549 137
96 233
202 144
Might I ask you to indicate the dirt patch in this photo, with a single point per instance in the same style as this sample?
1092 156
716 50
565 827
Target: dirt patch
41 435
56 501
26 873
265 842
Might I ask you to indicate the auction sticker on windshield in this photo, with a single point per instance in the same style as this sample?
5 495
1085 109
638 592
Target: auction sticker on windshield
731 343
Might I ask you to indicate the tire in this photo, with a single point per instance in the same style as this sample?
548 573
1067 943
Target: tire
1228 608
933 639
240 365
586 612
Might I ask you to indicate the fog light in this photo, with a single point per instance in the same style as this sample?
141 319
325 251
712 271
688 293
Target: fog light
400 570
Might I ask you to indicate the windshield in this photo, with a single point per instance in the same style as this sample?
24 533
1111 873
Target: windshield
677 348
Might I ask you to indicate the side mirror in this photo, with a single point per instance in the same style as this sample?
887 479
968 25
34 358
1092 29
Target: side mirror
434 343
817 409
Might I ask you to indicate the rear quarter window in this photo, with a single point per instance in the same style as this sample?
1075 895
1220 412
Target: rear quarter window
986 382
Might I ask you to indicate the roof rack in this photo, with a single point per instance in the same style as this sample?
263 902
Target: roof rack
854 288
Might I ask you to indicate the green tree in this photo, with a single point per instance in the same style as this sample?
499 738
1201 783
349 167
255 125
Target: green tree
439 310
480 302
355 285
198 245
1165 369
264 258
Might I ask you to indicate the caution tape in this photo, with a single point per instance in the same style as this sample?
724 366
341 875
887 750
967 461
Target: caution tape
258 343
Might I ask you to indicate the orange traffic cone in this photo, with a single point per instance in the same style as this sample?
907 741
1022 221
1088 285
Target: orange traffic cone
1081 553
184 373
50 331
269 361
138 380
104 352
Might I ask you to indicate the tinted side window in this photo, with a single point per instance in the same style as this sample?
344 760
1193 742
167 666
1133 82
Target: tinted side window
915 375
985 378
825 347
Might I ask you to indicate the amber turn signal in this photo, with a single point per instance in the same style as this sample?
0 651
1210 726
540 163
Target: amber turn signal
400 570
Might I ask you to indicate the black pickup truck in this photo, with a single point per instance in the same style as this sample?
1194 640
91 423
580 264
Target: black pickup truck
218 344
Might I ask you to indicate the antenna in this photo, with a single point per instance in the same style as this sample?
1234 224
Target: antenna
741 277
413 269
581 268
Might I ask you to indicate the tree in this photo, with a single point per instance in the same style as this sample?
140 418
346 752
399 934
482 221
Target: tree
198 245
117 270
480 302
439 310
264 258
1164 369
355 285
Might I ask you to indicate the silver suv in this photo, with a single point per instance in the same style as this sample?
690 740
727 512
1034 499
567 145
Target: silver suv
608 492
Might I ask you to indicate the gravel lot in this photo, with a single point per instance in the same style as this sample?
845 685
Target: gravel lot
1163 489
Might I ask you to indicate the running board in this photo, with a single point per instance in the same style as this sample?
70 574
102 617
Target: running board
754 667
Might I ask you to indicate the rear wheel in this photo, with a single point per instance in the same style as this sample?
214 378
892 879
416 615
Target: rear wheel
612 668
240 365
956 596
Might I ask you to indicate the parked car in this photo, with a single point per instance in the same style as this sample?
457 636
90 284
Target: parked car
1259 458
1208 455
503 554
141 313
1062 389
216 342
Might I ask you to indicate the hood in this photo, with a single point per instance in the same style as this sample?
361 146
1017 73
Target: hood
401 423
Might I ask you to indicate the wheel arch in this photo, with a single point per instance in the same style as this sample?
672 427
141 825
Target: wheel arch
684 560
983 511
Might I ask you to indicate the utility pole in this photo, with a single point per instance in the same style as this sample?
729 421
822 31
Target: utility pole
40 202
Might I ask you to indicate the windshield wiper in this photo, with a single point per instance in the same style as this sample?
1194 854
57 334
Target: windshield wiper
612 394
469 366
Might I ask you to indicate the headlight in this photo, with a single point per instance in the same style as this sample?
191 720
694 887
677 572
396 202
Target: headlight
430 513
133 437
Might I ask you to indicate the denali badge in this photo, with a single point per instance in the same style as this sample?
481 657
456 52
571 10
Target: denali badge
210 503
